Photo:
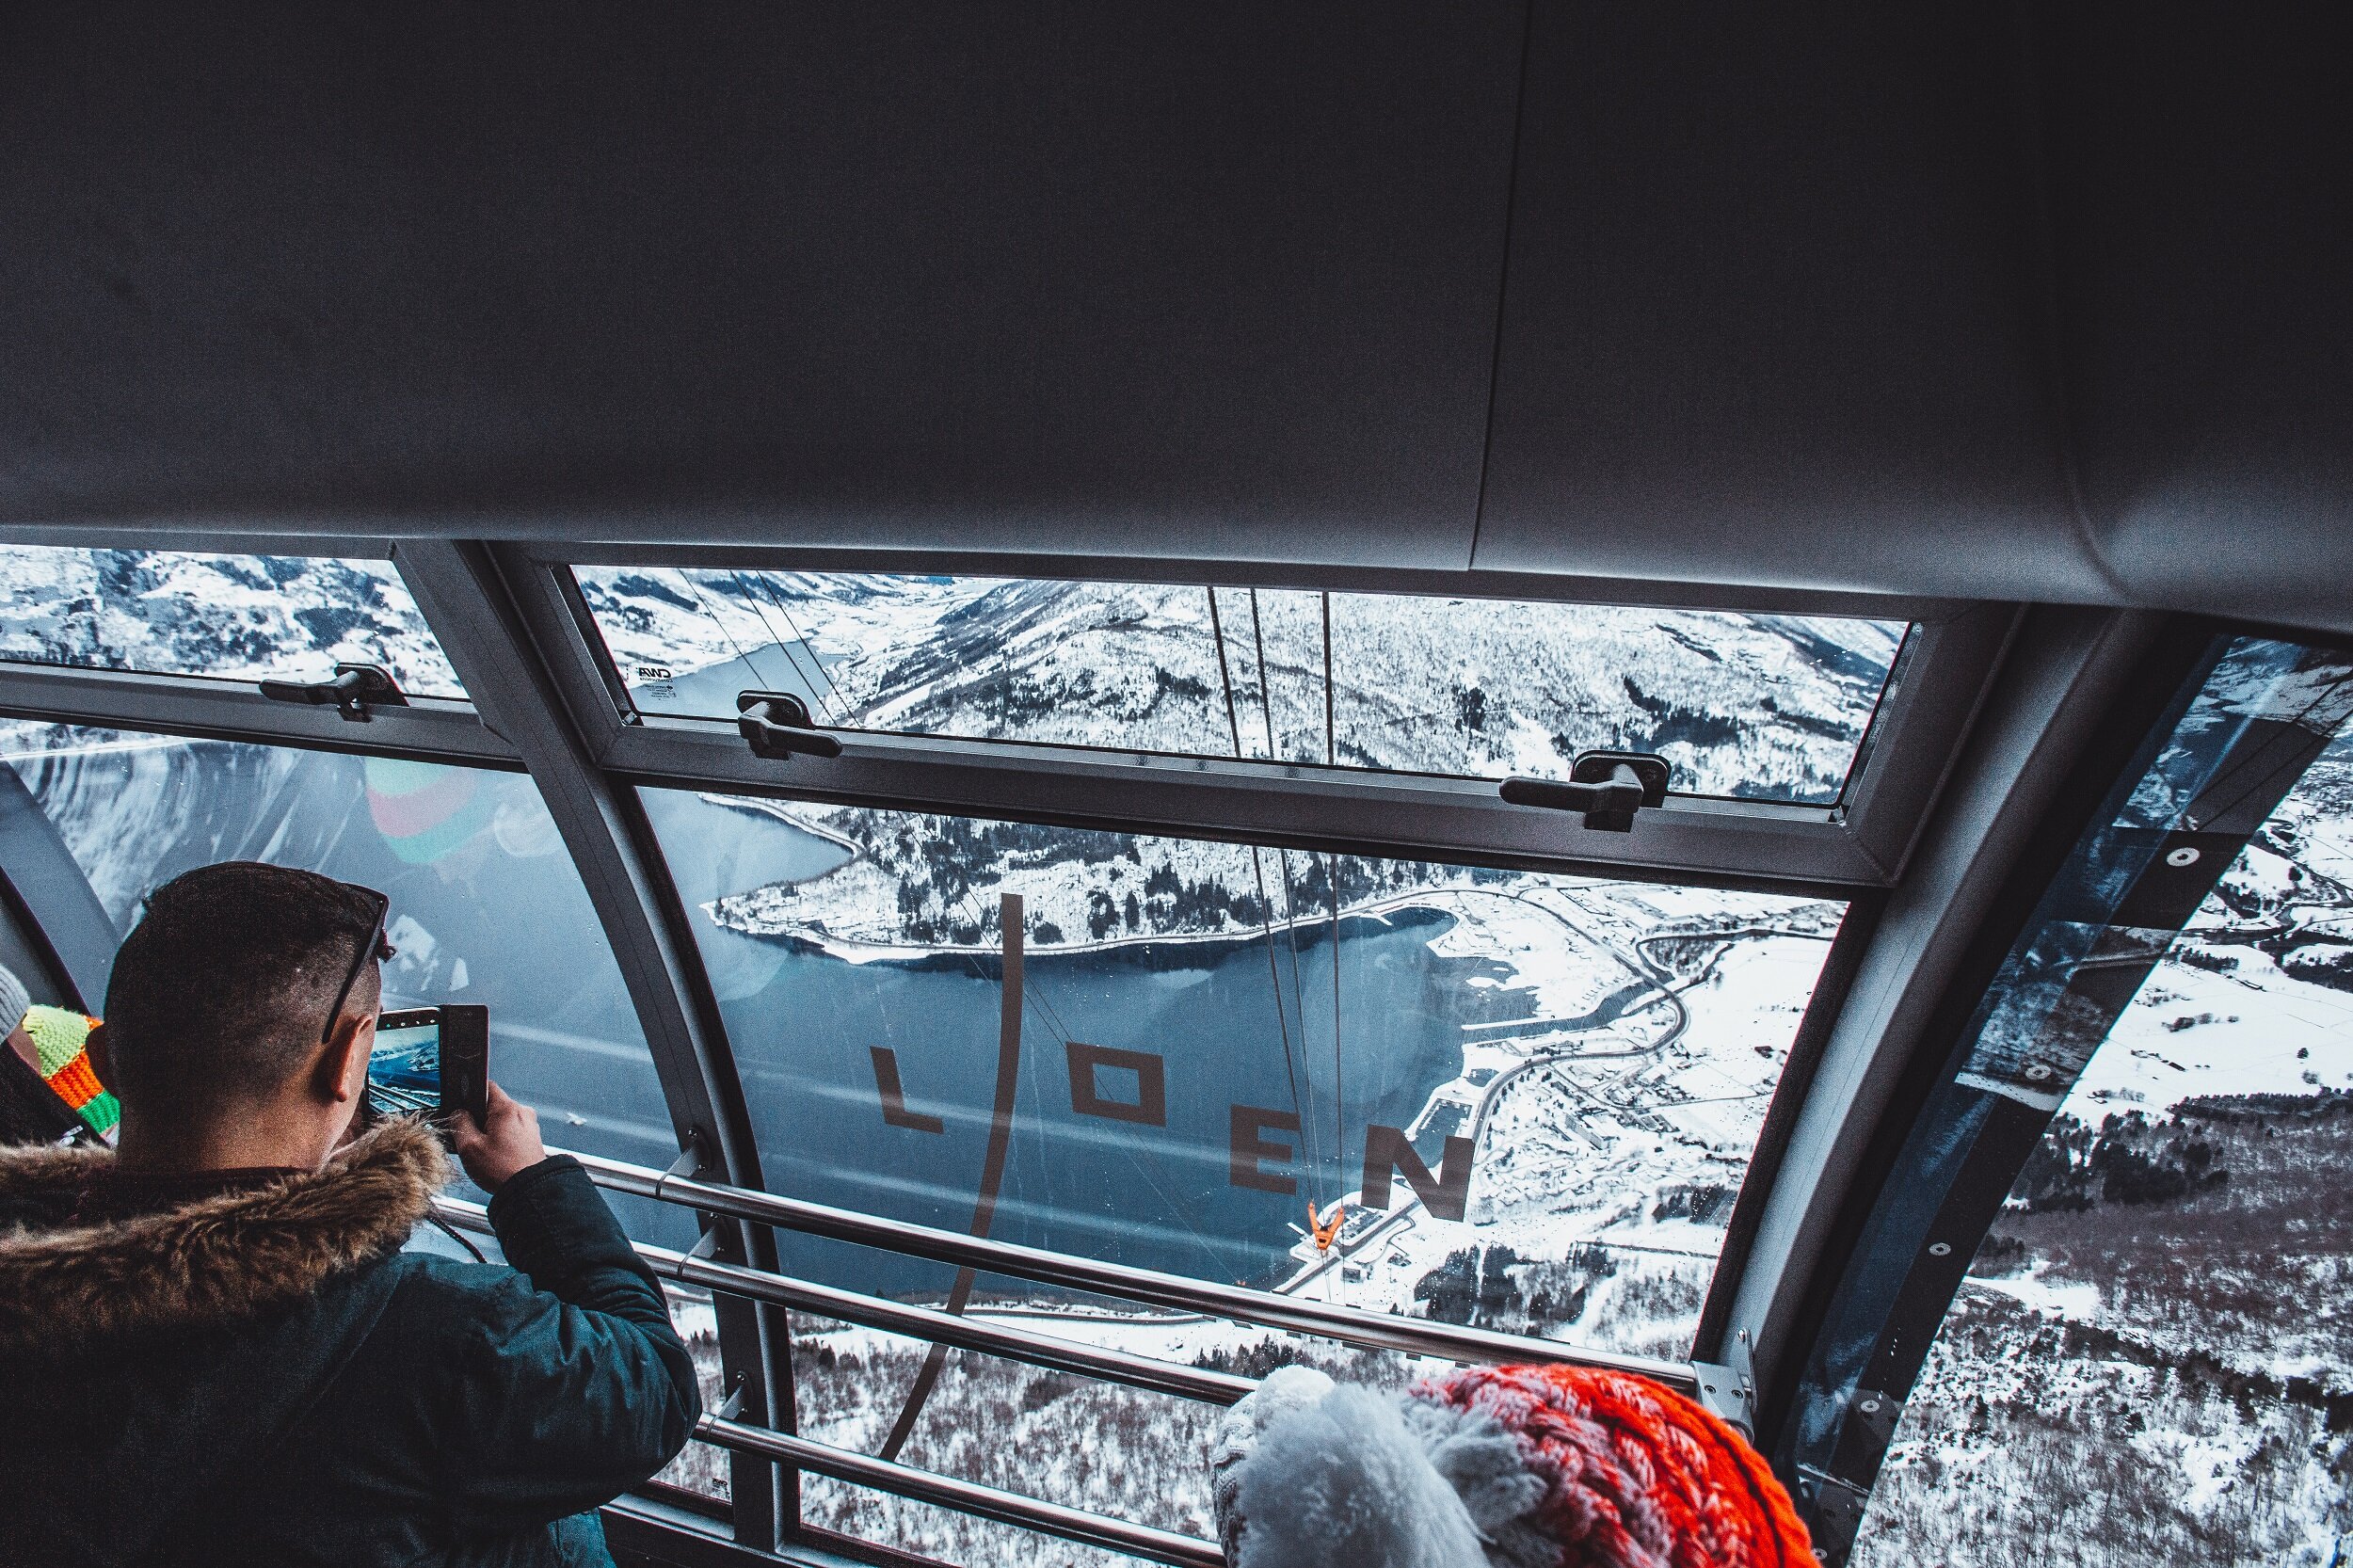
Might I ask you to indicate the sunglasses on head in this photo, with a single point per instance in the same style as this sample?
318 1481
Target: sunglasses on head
376 946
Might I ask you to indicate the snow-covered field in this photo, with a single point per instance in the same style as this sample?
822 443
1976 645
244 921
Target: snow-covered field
1620 1146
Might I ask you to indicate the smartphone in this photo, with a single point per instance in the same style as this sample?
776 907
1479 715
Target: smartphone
434 1060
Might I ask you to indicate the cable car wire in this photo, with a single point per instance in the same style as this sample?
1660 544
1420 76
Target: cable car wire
1340 1095
1233 721
1332 890
1331 748
749 664
1224 674
750 591
1290 908
840 702
1049 1019
750 594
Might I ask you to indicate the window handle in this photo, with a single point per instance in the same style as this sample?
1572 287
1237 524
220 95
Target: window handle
354 690
1609 787
778 725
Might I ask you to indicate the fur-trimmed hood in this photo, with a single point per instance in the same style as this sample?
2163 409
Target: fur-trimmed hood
218 1260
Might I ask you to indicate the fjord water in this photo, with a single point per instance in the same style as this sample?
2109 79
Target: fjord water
802 1022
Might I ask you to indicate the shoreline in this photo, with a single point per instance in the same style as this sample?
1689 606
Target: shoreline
860 950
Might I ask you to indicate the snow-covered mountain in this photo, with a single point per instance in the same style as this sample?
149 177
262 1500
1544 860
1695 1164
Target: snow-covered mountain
239 618
1761 705
2151 1360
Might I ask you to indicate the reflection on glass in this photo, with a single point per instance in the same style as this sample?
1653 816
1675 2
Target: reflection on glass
1763 707
1527 1099
486 906
234 618
2153 1356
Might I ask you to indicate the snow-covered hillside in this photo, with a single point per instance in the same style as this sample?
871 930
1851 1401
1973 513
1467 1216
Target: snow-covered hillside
2153 1359
1742 705
2150 1359
238 617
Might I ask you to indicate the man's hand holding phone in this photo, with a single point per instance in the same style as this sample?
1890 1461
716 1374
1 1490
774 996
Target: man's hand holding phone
506 1142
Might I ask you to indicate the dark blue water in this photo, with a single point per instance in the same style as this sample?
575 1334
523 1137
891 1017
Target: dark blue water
1158 1196
1229 1027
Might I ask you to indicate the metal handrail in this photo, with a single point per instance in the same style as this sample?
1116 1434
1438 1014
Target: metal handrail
918 1322
965 1496
1267 1309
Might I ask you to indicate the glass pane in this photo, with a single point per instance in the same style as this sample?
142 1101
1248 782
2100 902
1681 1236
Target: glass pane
2149 1362
1762 707
1530 1098
989 1420
236 618
699 1467
466 856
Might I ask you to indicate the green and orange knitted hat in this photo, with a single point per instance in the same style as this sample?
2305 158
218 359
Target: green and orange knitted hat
1547 1467
61 1037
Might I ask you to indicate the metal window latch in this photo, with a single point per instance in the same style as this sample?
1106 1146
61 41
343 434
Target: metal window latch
778 725
355 689
1609 787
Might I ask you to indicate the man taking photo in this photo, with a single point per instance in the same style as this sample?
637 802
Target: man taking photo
212 1347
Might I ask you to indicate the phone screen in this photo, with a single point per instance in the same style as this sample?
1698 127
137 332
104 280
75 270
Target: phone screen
405 1068
434 1061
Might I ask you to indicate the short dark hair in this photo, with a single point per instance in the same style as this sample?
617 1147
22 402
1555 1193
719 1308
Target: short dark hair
219 993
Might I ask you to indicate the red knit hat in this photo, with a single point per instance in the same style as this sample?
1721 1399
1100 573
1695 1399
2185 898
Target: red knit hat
1635 1473
1546 1466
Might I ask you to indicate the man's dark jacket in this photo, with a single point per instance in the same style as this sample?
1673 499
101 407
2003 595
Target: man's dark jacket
259 1376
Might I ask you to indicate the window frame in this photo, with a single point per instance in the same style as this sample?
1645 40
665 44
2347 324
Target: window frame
543 698
216 708
1936 1164
1863 840
1509 589
236 692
